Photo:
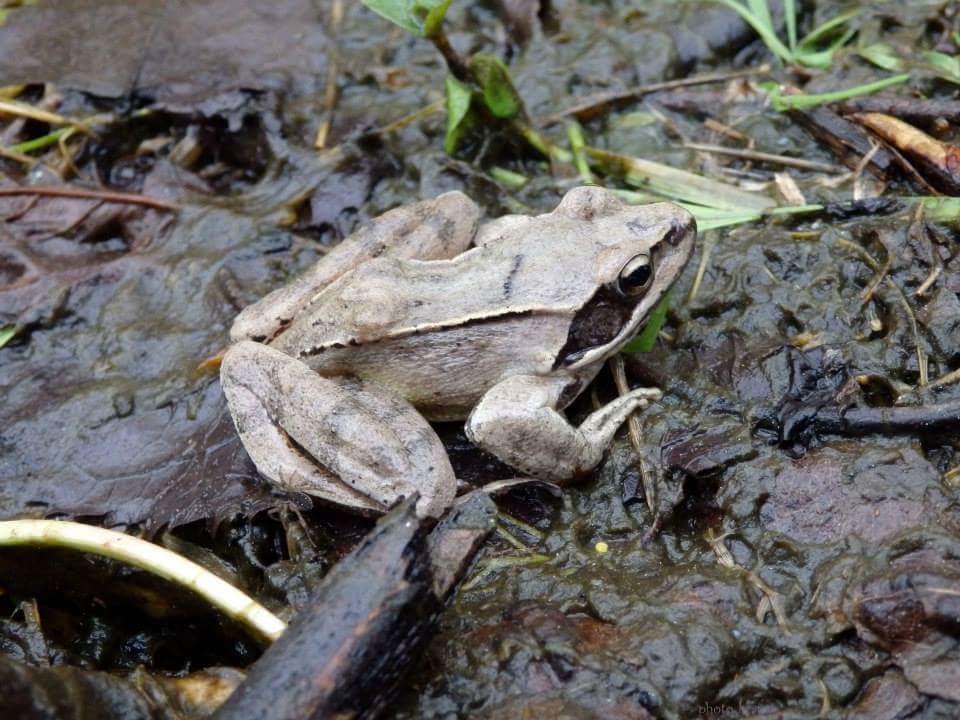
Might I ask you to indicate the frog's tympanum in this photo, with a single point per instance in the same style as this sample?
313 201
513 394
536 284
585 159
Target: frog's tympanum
425 314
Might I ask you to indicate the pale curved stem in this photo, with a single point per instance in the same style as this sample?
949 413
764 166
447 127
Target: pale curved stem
233 603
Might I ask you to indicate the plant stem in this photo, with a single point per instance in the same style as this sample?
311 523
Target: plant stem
455 63
537 141
145 555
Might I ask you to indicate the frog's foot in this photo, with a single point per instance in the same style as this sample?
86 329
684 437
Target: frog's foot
348 441
517 420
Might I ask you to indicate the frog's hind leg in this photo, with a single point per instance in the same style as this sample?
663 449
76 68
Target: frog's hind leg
349 442
435 229
517 420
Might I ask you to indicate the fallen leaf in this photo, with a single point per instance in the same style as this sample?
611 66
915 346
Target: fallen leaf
939 162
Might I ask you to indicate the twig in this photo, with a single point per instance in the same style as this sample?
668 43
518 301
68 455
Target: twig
19 109
911 315
636 433
18 156
330 93
857 421
154 559
931 279
594 104
946 379
847 140
402 122
907 108
84 194
730 132
766 157
772 600
861 166
701 267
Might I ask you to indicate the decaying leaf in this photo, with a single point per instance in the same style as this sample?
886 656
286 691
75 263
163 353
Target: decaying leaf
938 161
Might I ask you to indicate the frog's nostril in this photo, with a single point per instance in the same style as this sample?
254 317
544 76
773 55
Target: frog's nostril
679 229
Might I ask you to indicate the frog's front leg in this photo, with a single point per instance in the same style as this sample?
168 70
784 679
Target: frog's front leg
517 420
435 229
348 441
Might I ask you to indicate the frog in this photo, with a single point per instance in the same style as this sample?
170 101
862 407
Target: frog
428 314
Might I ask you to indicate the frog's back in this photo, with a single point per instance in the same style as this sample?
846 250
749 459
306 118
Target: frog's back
440 332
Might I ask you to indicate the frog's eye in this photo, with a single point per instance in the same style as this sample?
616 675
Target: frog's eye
635 276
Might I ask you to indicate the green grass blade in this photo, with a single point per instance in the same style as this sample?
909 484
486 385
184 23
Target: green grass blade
7 334
647 338
712 218
632 197
799 102
760 9
677 184
823 59
508 178
940 209
822 31
790 11
577 143
40 142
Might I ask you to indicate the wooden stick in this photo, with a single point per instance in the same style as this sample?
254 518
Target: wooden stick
593 104
84 194
784 160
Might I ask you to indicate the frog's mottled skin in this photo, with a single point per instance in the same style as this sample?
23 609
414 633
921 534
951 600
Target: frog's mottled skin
331 378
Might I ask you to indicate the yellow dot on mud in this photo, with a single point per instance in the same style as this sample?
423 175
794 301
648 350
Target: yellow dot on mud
601 547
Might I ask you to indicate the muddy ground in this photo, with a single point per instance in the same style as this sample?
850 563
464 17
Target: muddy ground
764 565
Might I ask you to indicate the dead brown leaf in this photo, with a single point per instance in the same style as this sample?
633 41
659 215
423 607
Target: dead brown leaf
939 162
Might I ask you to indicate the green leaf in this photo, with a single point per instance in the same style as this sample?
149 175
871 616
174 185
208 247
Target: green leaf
499 94
7 334
420 17
946 66
798 102
647 338
881 55
459 97
508 178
